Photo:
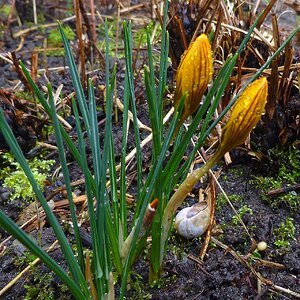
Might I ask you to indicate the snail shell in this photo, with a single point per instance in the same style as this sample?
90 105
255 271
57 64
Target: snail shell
193 221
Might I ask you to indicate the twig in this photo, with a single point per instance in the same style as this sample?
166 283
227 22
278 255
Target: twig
19 71
284 190
33 28
200 264
130 116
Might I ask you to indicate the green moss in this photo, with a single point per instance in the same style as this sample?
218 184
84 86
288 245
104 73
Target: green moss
25 95
287 172
242 211
55 40
137 288
15 179
5 10
221 199
237 173
24 260
42 288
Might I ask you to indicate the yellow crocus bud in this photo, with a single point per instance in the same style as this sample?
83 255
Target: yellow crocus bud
193 76
245 114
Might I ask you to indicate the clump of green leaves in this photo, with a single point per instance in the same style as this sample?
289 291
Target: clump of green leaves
288 174
255 255
284 233
15 179
55 40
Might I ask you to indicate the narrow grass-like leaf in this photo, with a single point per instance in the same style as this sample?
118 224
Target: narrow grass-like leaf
66 174
129 74
158 188
89 183
75 78
46 106
163 65
99 164
153 104
123 188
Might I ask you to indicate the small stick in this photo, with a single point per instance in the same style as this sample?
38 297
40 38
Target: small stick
120 105
212 205
284 190
19 71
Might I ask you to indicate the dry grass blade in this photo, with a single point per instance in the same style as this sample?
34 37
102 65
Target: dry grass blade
284 82
120 105
266 12
273 91
212 204
81 45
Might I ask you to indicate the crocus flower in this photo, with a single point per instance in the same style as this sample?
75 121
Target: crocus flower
193 75
245 114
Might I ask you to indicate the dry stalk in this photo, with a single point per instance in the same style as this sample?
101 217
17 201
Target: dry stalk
120 105
81 45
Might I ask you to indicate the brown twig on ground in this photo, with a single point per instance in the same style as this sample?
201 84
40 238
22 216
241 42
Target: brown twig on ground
63 187
200 264
265 13
284 190
274 78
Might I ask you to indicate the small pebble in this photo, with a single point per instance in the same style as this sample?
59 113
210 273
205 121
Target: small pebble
5 196
262 246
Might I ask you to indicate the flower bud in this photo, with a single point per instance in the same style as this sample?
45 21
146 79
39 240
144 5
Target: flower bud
245 114
193 75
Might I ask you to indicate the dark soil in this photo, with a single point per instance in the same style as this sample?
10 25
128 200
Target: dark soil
220 275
